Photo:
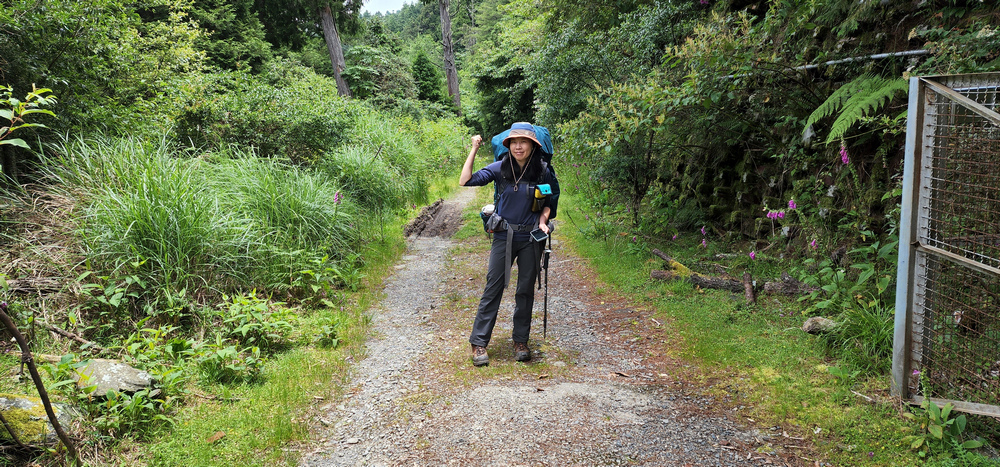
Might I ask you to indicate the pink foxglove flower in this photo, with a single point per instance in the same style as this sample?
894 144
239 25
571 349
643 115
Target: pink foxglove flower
843 155
791 204
753 255
781 214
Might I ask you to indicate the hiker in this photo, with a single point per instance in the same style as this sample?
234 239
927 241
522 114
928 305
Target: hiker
517 213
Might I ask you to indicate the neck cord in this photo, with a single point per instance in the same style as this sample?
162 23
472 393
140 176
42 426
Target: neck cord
518 179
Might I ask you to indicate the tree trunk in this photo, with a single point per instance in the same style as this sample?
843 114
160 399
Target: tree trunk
332 37
450 71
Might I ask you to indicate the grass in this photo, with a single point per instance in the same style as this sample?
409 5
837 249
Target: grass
774 374
260 421
166 232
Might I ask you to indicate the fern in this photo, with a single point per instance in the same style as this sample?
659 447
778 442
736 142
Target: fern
856 100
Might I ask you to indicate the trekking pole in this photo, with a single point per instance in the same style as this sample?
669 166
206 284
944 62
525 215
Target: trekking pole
545 303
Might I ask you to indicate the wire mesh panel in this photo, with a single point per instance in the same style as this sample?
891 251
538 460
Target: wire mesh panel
948 292
962 204
960 353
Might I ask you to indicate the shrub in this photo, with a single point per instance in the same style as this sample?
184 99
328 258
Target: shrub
222 363
250 321
299 121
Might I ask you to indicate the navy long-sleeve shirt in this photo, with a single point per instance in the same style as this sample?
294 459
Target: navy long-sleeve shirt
515 206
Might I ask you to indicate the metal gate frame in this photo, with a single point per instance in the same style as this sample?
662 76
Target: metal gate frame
911 346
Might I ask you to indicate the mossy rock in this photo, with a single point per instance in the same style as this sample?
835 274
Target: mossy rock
28 419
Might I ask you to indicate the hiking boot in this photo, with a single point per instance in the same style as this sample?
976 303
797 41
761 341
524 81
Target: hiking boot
479 356
521 352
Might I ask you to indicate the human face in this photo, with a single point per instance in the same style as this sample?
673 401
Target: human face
521 148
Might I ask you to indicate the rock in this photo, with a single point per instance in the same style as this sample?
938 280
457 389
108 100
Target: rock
818 325
112 375
27 417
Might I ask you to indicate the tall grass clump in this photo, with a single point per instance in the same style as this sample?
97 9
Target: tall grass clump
295 218
863 337
392 161
369 180
145 210
223 222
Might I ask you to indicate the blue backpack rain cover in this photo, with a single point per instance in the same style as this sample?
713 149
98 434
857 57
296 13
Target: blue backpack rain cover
541 133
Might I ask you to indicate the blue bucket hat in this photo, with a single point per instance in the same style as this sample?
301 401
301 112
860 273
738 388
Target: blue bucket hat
521 130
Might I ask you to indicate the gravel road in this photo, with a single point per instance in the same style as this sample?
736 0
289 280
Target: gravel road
590 396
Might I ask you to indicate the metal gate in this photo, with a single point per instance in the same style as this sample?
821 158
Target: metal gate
947 323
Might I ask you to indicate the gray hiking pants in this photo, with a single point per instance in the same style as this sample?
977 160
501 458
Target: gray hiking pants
527 255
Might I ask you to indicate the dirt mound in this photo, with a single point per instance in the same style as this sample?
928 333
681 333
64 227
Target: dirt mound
440 219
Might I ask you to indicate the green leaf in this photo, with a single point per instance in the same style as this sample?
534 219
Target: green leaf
38 111
7 114
16 142
65 382
972 444
936 431
946 411
960 423
917 442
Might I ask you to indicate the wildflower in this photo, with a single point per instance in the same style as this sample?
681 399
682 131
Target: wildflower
703 230
871 454
781 214
753 255
336 198
843 155
791 204
674 237
633 238
812 244
916 372
704 243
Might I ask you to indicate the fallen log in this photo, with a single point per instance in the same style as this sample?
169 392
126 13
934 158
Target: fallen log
705 282
679 268
62 332
34 285
788 285
748 291
675 270
709 282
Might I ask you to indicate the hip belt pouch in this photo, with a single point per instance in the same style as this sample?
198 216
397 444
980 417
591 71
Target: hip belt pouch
492 222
